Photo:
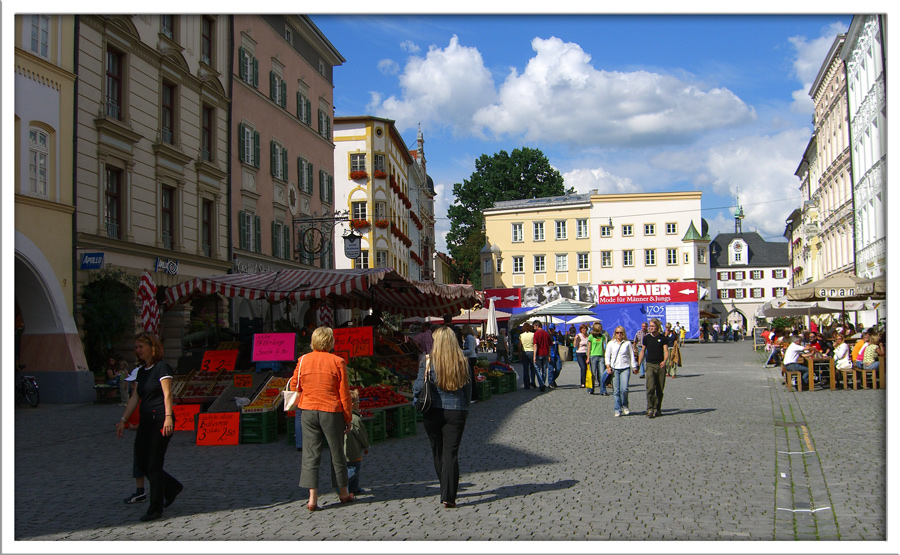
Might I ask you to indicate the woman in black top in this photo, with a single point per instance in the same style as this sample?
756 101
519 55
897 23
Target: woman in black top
154 391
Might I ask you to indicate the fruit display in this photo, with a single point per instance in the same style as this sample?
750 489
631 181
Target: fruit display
377 397
268 396
366 371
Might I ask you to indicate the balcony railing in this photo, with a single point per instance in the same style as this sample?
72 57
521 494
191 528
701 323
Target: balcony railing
167 240
206 155
112 108
207 250
167 136
112 230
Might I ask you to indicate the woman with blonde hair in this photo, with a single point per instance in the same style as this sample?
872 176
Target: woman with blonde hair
325 413
619 359
445 421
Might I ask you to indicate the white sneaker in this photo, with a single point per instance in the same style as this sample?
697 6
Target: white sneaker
625 411
616 413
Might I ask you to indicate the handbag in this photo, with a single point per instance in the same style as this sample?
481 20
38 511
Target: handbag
292 398
425 400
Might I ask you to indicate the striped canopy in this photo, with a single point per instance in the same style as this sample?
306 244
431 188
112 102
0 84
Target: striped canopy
381 288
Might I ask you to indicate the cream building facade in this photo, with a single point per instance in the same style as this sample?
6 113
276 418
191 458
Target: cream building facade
47 339
807 243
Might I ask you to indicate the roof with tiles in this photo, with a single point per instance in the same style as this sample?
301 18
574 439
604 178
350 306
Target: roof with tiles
543 201
761 253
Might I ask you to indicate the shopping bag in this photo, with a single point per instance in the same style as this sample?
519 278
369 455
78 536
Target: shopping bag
588 382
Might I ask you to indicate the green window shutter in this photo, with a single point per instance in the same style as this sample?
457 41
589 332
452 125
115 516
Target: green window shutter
257 233
283 96
328 127
274 240
273 83
255 73
242 223
242 67
300 173
299 106
308 112
286 242
241 145
309 177
331 189
322 183
272 157
256 149
284 165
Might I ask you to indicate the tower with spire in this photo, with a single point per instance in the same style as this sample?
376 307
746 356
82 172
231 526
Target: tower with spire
738 213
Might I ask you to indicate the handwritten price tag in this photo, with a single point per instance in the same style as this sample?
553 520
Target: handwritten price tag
214 361
243 380
218 428
344 355
274 346
184 416
358 342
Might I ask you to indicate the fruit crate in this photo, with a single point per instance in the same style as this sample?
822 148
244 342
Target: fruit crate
482 391
511 383
376 426
499 384
403 421
259 427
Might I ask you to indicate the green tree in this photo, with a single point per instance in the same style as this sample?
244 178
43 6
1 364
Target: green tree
108 311
524 174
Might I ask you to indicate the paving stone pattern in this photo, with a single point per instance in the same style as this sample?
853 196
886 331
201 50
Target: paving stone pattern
735 456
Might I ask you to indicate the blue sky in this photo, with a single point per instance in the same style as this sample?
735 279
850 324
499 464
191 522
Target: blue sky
619 103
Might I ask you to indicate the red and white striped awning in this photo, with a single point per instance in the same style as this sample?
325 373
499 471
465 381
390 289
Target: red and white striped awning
364 289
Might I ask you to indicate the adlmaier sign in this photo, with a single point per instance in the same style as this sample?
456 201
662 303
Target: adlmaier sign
679 292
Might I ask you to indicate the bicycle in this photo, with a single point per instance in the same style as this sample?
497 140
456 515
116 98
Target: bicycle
27 388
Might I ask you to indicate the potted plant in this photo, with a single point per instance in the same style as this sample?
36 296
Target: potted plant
379 174
359 224
359 174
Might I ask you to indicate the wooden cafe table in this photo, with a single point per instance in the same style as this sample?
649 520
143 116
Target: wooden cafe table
813 360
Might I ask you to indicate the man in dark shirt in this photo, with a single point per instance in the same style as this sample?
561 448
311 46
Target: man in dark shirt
655 350
542 354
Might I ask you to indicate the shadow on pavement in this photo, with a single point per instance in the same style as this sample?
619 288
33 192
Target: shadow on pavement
518 490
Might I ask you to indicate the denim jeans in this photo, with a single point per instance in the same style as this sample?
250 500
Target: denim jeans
541 366
555 368
353 468
620 387
581 359
644 367
802 368
528 370
298 430
598 373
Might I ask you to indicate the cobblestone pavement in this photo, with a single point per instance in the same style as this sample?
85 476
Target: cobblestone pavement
735 457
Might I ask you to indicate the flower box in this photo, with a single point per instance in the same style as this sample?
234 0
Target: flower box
382 224
359 224
359 175
379 174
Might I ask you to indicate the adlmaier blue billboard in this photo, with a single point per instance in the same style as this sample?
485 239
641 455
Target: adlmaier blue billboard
631 304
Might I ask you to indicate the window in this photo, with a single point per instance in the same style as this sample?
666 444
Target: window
206 227
627 230
687 258
562 263
381 259
756 274
278 160
113 203
538 228
649 229
378 163
756 292
38 162
207 40
606 259
304 108
250 231
581 229
326 187
738 293
584 261
671 228
362 263
248 67
517 233
724 276
167 25
737 257
281 240
486 266
380 210
518 264
739 275
114 83
358 210
540 263
40 35
304 175
277 89
248 145
779 274
671 257
168 113
650 257
206 133
701 255
358 162
628 258
168 217
324 124
499 265
561 230
779 291
288 35
605 231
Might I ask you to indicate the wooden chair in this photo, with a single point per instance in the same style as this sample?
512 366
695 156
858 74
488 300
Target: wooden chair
845 374
873 373
792 374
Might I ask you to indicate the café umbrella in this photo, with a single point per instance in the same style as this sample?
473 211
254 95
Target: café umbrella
839 287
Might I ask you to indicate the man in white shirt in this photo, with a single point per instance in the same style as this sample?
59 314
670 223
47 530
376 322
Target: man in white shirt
792 359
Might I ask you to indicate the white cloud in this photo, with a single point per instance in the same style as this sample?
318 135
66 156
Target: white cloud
810 55
442 201
560 96
445 87
585 180
388 67
409 46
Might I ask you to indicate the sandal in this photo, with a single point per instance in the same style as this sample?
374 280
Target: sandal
349 499
312 508
449 505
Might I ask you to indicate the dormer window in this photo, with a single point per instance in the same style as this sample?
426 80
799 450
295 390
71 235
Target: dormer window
737 252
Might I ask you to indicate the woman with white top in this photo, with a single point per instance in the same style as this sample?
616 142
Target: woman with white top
620 359
581 349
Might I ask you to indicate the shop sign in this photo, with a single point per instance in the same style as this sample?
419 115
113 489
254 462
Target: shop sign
675 292
218 361
352 246
242 267
218 428
168 266
184 416
274 346
356 342
92 261
842 292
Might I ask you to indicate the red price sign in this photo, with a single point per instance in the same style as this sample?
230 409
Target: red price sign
243 380
358 342
344 355
218 428
184 416
214 361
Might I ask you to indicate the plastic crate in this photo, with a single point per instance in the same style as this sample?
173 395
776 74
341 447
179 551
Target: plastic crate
376 426
511 381
498 385
291 431
403 421
259 427
482 390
